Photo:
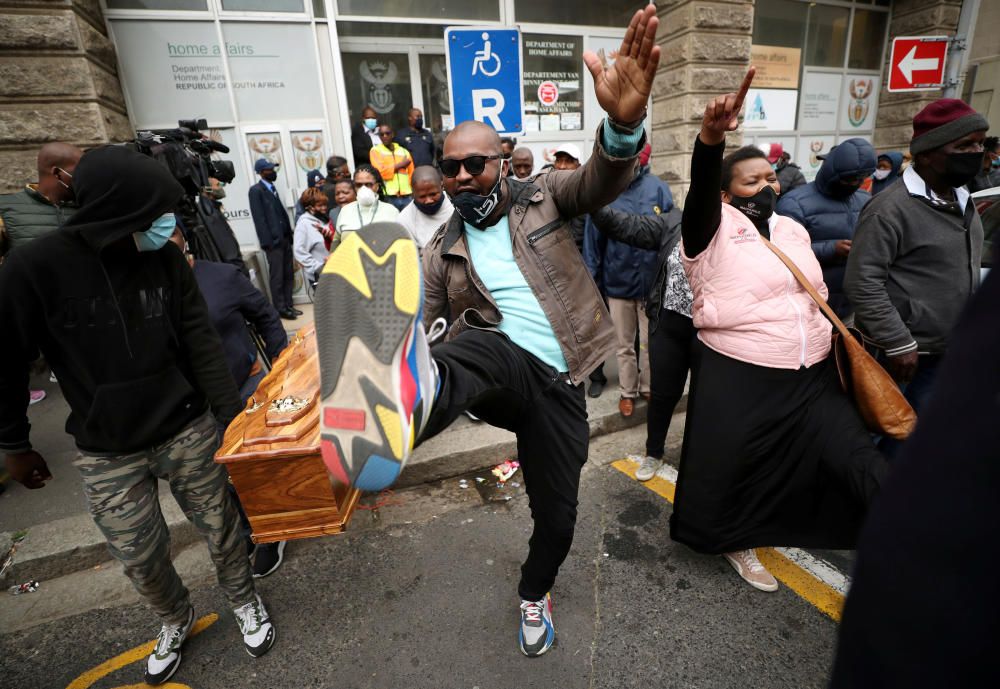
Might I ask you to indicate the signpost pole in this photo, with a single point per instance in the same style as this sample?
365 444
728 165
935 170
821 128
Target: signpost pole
958 59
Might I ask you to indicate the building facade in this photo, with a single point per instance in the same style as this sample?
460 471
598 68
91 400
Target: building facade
288 79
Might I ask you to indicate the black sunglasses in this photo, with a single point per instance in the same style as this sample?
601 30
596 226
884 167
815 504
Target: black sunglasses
474 165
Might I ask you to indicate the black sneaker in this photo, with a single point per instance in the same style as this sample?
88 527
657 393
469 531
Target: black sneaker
163 662
268 558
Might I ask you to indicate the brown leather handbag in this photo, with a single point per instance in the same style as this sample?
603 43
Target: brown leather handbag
880 403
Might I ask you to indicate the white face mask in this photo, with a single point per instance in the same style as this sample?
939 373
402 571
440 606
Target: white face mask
881 174
366 197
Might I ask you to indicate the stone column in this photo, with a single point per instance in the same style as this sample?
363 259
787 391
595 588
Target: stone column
58 82
706 52
894 121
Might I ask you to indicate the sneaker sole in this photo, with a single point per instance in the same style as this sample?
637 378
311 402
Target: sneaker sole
153 682
368 304
267 645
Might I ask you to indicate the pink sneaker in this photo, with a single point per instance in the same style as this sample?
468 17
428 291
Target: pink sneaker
35 396
747 565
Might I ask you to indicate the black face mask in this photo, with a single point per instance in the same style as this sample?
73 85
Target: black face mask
269 175
430 208
322 217
758 207
418 123
961 168
476 208
841 190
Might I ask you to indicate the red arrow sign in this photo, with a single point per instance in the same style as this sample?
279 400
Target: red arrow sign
917 63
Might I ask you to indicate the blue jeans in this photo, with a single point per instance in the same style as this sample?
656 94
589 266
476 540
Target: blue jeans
400 202
917 392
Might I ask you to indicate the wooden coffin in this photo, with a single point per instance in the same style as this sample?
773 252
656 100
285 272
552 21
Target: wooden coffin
272 452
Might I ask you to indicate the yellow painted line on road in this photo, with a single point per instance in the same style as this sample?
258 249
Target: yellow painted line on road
91 677
819 594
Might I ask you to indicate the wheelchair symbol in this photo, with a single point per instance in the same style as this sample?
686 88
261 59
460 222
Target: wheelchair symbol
483 58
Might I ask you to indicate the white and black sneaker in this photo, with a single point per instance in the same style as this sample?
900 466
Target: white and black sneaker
163 662
537 632
256 627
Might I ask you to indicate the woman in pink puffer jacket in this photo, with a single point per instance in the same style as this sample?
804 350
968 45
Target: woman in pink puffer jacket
775 453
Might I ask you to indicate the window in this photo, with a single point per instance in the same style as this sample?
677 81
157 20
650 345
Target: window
274 70
867 39
263 5
779 23
379 80
826 39
391 30
614 13
196 5
434 83
319 8
481 10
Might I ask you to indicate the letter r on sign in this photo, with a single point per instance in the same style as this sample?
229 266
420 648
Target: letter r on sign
489 113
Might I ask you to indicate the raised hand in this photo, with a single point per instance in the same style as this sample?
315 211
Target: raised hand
623 88
722 113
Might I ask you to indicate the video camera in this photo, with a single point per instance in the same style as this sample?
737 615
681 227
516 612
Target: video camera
187 153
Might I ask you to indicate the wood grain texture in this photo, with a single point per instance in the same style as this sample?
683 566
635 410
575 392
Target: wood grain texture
273 457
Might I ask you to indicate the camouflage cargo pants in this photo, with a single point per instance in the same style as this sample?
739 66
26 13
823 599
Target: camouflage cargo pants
122 494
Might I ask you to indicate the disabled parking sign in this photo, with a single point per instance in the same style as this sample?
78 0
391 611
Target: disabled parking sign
485 77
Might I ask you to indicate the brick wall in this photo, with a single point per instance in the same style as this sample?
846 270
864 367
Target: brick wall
706 52
58 82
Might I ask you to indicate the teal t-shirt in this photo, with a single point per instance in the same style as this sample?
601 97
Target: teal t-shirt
492 254
524 322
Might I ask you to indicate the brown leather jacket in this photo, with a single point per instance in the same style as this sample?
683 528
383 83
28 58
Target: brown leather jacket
539 213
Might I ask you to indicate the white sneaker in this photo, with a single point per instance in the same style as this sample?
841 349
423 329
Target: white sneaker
256 627
163 662
747 565
648 468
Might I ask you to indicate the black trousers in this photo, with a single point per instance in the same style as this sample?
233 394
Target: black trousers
510 388
671 346
282 277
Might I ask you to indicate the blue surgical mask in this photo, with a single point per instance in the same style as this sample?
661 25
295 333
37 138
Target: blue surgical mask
995 163
370 123
158 234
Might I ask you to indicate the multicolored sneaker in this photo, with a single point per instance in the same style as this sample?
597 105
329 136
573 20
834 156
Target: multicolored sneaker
377 378
163 662
537 633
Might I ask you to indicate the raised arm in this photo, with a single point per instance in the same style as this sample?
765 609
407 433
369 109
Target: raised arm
640 231
703 206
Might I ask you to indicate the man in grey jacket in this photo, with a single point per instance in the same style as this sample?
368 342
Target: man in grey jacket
915 260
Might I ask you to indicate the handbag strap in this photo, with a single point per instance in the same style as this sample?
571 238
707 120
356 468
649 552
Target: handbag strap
808 287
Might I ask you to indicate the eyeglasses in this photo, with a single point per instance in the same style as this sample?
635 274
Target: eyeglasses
474 165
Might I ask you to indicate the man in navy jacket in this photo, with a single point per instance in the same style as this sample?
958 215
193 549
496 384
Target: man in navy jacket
829 207
624 274
274 230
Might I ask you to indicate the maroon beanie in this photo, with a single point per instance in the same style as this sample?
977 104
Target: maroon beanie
942 122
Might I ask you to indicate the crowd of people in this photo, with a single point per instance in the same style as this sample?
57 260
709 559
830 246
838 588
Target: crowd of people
508 291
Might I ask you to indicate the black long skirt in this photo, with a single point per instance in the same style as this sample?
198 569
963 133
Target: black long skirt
771 457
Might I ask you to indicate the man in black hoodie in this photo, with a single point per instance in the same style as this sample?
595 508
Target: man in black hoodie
118 315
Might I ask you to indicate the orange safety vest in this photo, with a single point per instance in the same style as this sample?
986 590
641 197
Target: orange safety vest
397 182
